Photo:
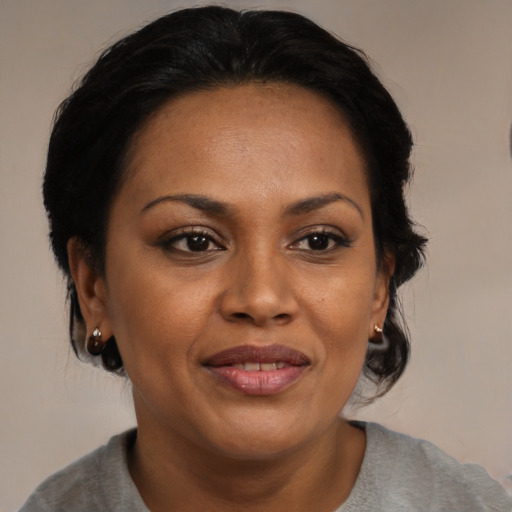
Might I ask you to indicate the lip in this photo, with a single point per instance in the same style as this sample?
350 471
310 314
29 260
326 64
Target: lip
259 382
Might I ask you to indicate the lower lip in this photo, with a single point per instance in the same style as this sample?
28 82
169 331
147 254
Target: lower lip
258 382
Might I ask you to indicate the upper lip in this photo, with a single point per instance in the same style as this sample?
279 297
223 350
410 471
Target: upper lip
258 354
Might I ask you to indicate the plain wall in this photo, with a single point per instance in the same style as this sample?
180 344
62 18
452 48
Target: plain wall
449 65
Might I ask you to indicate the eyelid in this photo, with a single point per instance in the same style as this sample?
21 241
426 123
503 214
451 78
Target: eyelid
167 239
333 233
323 229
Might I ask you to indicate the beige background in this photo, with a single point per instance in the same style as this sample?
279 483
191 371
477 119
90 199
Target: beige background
449 65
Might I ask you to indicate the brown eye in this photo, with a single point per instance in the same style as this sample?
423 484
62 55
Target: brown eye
194 241
197 243
321 241
318 242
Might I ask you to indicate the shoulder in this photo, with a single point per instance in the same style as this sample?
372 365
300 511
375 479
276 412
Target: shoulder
97 481
412 474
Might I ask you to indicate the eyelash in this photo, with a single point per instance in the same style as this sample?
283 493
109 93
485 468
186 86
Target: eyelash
186 235
325 235
334 241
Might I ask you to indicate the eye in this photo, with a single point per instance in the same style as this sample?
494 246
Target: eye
321 241
192 241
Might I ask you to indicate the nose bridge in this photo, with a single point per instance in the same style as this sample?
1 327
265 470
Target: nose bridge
258 287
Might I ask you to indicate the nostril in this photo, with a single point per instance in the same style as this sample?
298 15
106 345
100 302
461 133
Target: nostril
279 319
241 315
282 318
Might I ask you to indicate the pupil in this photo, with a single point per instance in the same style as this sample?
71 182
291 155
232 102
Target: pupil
197 243
318 242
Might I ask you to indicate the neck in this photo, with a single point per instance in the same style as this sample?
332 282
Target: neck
173 473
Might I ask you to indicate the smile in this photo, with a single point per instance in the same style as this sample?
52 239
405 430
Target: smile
258 370
258 367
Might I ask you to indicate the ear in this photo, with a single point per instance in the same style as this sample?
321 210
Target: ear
381 293
90 287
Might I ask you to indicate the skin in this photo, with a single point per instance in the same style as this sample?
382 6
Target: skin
258 280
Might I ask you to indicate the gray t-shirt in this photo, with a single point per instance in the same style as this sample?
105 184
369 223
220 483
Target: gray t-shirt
398 474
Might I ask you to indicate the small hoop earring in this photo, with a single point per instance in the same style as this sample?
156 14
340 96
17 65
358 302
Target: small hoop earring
95 344
377 329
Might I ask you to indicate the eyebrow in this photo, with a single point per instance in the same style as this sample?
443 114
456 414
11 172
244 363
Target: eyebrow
315 203
199 202
218 208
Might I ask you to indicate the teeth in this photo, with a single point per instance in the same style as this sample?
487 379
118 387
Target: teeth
255 367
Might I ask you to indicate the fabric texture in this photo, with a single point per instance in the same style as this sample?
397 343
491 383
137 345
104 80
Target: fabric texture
398 473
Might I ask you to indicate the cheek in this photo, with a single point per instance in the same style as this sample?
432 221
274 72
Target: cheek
152 310
342 307
340 314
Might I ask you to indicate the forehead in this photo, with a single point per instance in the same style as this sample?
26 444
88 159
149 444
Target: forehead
260 136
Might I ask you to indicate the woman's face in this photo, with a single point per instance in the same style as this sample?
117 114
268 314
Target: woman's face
241 280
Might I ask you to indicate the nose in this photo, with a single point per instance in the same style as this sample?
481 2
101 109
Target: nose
258 291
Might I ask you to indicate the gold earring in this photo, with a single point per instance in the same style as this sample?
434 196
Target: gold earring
378 342
95 344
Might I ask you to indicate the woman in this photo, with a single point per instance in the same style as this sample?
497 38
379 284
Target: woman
225 196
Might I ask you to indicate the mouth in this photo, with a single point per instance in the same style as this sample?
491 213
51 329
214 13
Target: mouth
255 370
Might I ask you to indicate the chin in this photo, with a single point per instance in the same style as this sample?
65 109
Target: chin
258 449
264 441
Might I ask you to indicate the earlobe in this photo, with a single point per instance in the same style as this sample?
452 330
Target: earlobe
381 294
90 287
